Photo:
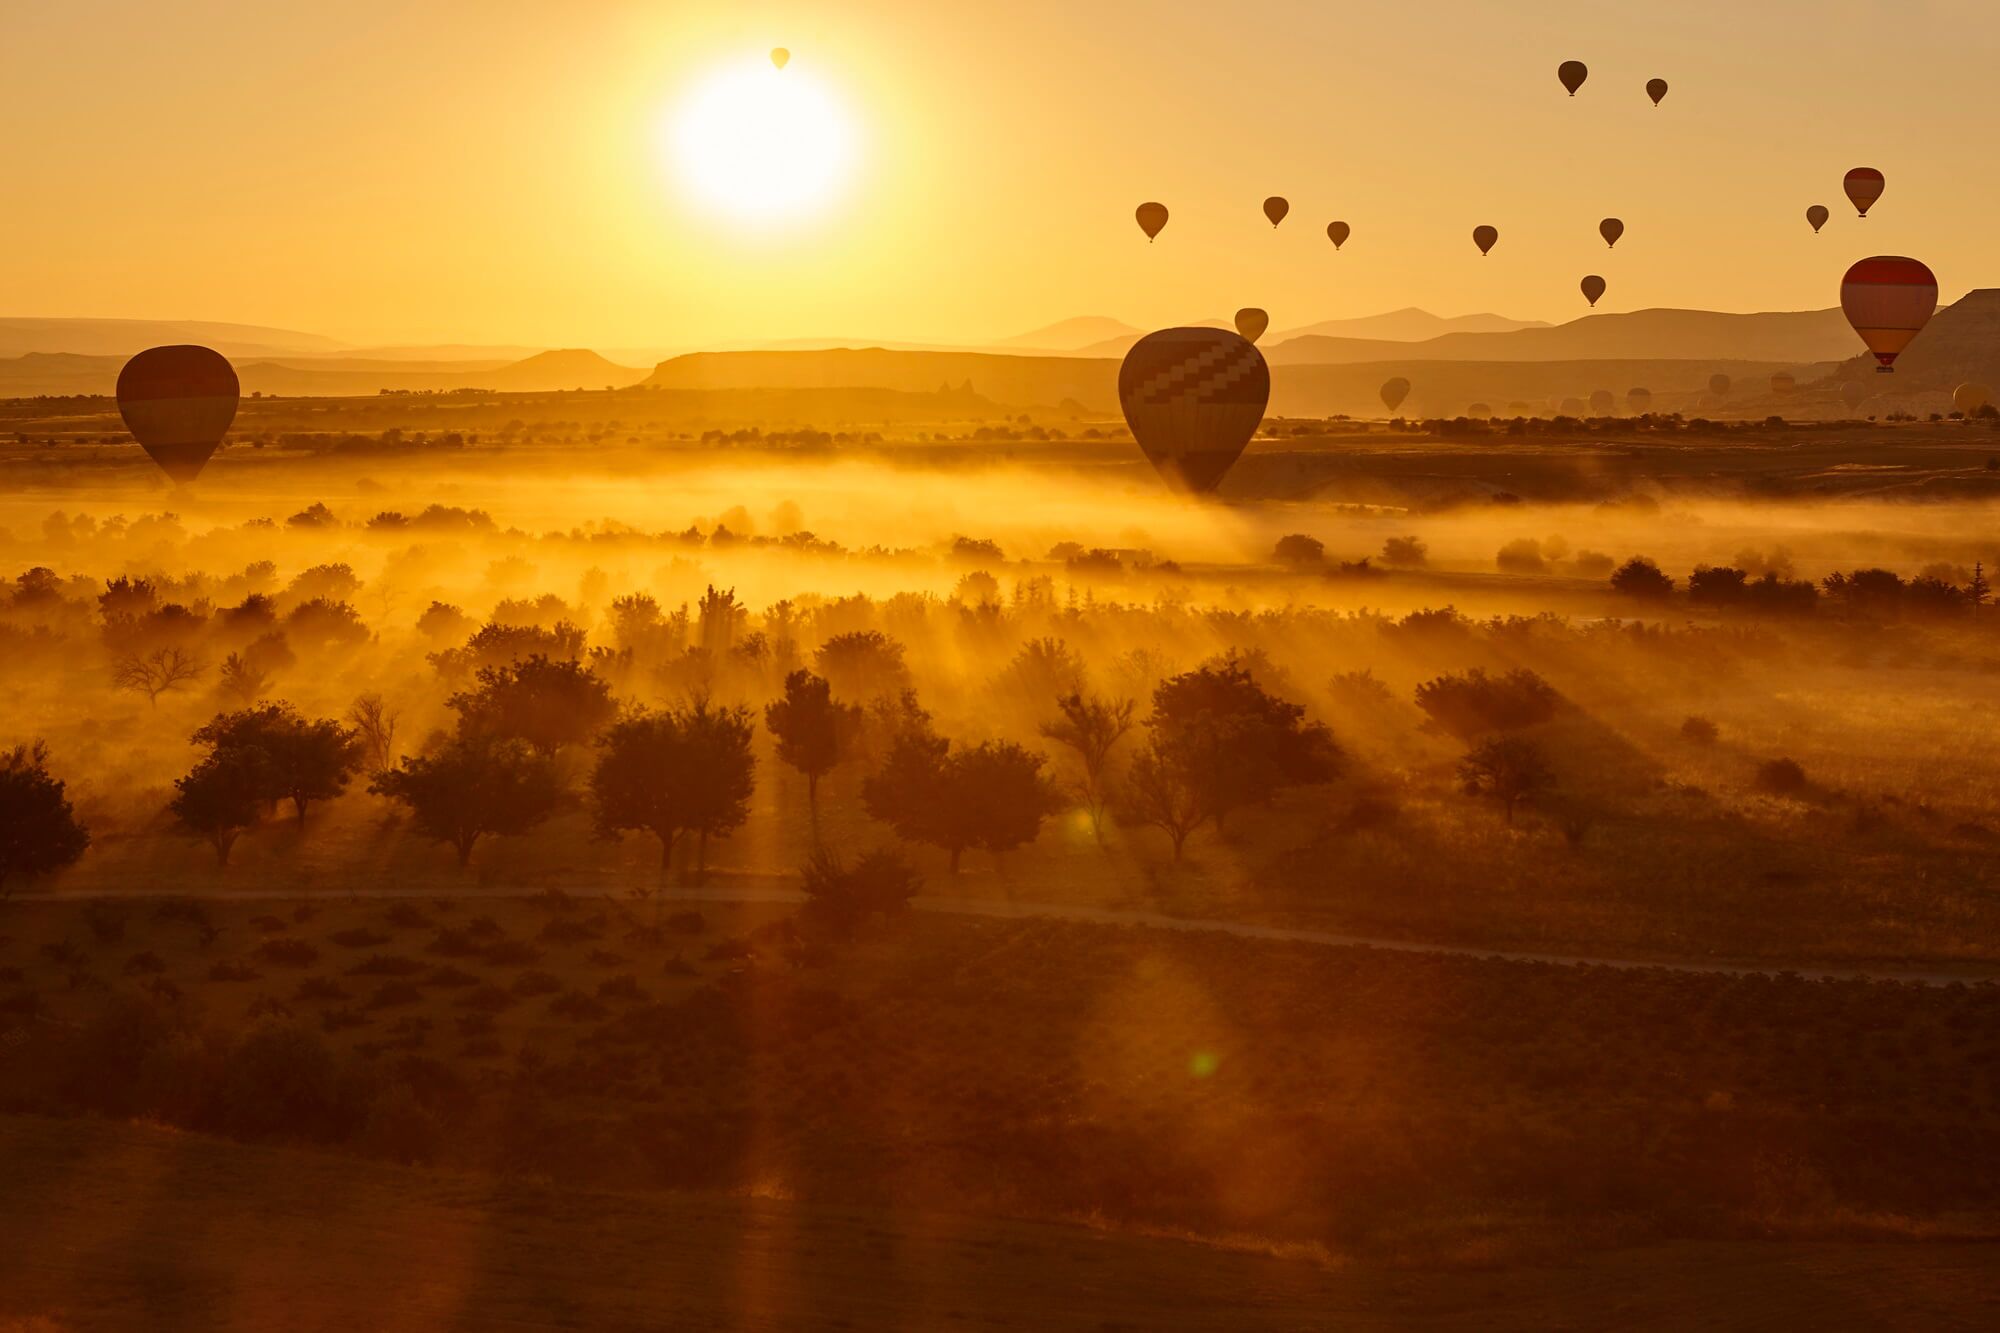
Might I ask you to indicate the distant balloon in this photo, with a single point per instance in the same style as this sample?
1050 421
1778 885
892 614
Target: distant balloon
1888 299
1394 391
1856 392
1479 411
1969 398
1601 402
1275 209
1639 400
1864 185
1611 229
1152 217
1719 385
1251 323
1572 407
1572 73
178 403
1593 287
780 56
1817 215
1484 238
1338 232
1656 89
1783 383
1193 398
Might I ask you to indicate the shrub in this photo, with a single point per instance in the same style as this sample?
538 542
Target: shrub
530 984
386 965
1474 703
227 970
287 953
1641 578
1699 731
841 898
359 937
1780 777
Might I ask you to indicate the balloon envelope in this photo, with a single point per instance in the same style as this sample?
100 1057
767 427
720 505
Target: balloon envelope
1718 385
1656 89
1338 232
1601 402
1888 299
1864 185
1593 287
1275 209
1611 229
1394 391
1193 398
1817 215
1484 237
178 402
1969 398
1639 400
780 56
1572 73
1152 217
1251 323
1783 383
1571 407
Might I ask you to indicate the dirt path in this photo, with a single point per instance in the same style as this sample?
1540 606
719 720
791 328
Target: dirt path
1021 909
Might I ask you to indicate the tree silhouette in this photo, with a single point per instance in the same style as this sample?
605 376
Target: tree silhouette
840 898
814 731
154 673
1474 703
376 723
1233 743
304 761
1091 727
1641 578
1510 769
221 796
862 664
39 832
241 680
679 771
992 795
1161 792
473 785
546 702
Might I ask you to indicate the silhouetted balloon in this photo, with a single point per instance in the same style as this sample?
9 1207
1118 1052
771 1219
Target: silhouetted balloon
1193 398
1484 238
1719 385
1888 299
1864 185
1593 287
1656 89
1601 402
1394 391
1338 232
1275 209
1251 323
1639 400
1969 398
178 403
1783 383
1572 73
1611 229
1152 217
1817 215
1479 411
780 56
1856 392
1572 407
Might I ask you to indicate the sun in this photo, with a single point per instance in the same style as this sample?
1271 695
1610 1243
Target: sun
762 145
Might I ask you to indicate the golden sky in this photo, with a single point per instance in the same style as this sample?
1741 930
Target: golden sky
503 171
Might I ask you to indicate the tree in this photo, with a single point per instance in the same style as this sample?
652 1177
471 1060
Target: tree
305 761
993 795
1510 769
1474 703
1090 728
1160 792
221 795
1641 578
840 897
687 770
862 664
154 673
546 702
242 680
39 832
376 723
1405 552
1234 743
1300 551
814 731
472 785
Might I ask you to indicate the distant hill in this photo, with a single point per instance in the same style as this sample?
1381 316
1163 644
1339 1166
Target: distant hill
570 368
1406 325
333 377
1071 335
123 337
1645 335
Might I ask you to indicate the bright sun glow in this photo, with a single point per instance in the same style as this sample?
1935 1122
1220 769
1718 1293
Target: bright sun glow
762 145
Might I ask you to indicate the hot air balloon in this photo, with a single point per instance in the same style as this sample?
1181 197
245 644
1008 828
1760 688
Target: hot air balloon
1601 402
1719 385
1639 400
1275 209
1783 383
1479 411
1485 237
1610 229
1855 392
1656 89
1572 73
178 403
1338 232
1394 391
780 56
1888 299
1251 323
1969 398
1152 218
1193 398
1864 185
1817 215
1593 287
1571 407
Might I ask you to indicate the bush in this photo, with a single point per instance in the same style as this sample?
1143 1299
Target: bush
287 953
1474 703
1780 777
284 1081
359 937
1700 731
841 898
1641 578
